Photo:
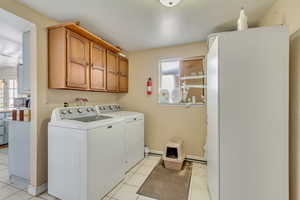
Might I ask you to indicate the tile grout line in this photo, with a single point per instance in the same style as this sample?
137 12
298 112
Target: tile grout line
128 177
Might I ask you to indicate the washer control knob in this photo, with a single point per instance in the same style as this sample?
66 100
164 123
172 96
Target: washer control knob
79 110
63 112
70 111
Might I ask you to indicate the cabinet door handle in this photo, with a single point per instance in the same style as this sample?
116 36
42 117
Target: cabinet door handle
109 127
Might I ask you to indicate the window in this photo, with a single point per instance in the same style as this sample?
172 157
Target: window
169 81
1 93
182 81
12 92
8 91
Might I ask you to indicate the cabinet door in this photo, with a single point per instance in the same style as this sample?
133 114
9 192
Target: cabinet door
77 61
112 72
24 79
123 74
98 67
19 148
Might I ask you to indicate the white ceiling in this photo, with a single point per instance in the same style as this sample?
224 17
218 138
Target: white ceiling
142 24
11 29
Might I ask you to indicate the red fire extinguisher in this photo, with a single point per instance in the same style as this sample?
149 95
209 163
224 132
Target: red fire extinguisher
149 86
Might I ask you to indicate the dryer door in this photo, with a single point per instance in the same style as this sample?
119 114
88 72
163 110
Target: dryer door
134 142
106 159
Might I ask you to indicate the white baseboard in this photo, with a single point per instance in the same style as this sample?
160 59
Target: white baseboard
156 152
34 191
193 157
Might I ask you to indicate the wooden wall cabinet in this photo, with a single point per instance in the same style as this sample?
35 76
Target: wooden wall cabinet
117 73
112 72
123 74
79 60
68 60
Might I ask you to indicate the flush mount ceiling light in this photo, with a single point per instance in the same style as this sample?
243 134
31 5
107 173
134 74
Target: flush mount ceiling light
170 3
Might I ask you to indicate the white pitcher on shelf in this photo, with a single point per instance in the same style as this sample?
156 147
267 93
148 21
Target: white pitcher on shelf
242 23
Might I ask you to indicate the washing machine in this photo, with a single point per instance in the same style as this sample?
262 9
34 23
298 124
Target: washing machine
86 153
134 132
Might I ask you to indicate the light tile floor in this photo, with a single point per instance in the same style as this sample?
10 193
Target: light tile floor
125 190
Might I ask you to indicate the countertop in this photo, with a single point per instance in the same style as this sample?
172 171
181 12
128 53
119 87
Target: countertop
17 121
6 110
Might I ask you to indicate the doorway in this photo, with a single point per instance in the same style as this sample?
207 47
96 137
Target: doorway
17 103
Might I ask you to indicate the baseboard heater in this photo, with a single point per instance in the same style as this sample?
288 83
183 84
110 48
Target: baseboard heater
187 158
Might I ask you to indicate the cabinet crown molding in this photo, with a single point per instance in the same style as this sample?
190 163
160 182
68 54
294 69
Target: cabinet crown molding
75 27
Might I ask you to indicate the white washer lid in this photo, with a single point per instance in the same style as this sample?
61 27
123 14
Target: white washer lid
126 114
85 125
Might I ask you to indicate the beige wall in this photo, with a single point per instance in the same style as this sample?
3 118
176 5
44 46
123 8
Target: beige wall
163 122
283 12
46 99
287 12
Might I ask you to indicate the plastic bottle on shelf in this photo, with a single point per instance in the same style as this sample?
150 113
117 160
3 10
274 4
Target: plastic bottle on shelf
242 21
27 115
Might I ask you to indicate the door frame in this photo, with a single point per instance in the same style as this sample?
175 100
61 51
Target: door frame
33 189
30 26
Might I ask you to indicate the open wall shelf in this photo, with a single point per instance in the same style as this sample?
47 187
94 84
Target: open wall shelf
192 77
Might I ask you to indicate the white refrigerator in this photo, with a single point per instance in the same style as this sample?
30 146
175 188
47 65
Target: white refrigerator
247 108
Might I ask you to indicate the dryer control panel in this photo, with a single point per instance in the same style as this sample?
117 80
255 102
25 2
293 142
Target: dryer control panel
108 108
73 112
